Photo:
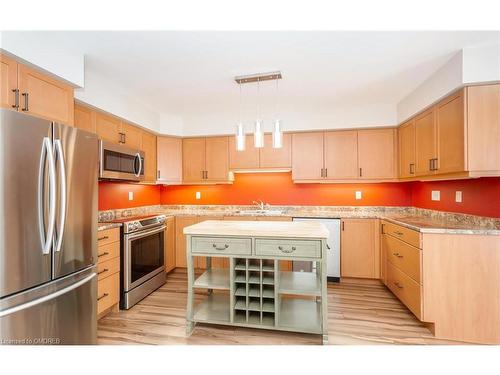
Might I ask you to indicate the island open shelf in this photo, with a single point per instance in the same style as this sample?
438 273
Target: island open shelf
253 291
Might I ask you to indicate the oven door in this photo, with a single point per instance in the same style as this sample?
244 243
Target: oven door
120 162
144 256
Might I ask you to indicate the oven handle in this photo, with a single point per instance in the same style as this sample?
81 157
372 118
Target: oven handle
144 233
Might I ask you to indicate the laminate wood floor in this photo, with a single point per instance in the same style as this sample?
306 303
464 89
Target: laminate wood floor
359 312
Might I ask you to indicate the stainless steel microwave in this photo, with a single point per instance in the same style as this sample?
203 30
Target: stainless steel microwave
118 162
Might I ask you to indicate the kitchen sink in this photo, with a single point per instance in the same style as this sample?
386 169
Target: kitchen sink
259 212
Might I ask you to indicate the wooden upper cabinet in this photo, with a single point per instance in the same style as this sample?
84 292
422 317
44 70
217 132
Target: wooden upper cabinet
359 248
307 156
450 134
149 148
341 155
246 159
85 118
483 129
217 159
132 136
193 159
169 160
45 97
108 128
406 148
376 153
276 157
8 82
425 142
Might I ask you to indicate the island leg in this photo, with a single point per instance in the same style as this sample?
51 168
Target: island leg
190 296
324 294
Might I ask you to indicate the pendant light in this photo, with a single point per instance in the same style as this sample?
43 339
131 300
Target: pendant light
240 134
277 133
258 135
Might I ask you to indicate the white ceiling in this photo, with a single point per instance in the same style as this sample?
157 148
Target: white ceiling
191 73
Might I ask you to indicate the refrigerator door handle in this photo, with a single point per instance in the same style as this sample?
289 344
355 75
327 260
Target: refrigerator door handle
46 238
62 176
46 298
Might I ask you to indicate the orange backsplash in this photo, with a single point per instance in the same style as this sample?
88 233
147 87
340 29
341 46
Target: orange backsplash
114 195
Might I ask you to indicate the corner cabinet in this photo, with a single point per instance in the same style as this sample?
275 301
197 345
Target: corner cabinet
30 91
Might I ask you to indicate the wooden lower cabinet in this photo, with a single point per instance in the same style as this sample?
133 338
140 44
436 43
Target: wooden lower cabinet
359 248
405 288
108 271
170 261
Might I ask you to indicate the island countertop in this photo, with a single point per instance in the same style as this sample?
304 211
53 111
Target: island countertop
285 229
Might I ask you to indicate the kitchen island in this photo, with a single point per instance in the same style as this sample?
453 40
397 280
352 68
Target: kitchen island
252 291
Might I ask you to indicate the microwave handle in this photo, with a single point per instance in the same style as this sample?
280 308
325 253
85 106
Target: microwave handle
138 174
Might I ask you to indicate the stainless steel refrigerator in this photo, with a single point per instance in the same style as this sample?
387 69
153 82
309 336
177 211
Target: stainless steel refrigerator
48 232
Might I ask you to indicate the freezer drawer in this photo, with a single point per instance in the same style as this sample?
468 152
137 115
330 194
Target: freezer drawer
60 312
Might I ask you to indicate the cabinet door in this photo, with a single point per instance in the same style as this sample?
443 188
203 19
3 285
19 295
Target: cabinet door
276 157
180 240
169 159
193 159
341 155
132 136
406 146
170 244
359 248
246 159
450 134
149 148
107 127
84 118
425 142
376 154
45 97
8 82
307 156
217 159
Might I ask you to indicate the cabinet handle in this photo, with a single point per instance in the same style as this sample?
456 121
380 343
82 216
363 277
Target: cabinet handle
430 165
103 296
397 255
102 254
412 168
434 165
158 174
287 251
16 98
206 175
343 225
26 102
103 271
326 172
383 228
398 285
360 172
220 248
322 175
102 238
398 233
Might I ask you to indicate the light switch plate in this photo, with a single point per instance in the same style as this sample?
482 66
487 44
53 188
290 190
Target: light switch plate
458 196
358 195
436 195
130 195
198 195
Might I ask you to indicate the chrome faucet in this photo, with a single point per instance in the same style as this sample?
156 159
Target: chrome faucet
260 204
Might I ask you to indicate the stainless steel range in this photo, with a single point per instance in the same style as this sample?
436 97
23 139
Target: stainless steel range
143 262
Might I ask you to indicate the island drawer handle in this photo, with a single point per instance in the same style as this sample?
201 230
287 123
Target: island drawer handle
398 285
220 248
104 270
102 254
102 238
103 296
287 251
397 255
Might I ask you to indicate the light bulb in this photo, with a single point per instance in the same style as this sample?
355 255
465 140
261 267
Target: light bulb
258 135
240 137
277 135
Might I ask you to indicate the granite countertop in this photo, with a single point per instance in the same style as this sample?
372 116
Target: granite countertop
104 226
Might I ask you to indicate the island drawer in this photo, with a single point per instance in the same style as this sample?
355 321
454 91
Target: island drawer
288 248
407 235
405 288
221 245
406 257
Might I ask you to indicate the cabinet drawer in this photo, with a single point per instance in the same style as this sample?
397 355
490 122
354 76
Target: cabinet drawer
108 268
405 288
404 234
108 236
108 251
221 245
406 257
288 248
108 292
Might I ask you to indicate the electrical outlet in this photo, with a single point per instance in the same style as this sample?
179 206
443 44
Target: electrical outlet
458 196
198 195
435 195
358 195
130 195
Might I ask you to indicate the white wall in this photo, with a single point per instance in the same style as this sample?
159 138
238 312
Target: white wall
481 64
